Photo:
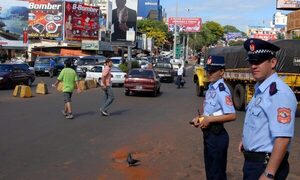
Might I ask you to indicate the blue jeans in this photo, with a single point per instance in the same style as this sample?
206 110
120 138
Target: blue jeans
108 98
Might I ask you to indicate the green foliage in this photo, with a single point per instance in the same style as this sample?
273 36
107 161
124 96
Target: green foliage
210 33
236 43
124 67
135 64
229 28
155 29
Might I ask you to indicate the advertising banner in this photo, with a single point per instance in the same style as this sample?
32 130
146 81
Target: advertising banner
81 21
124 16
89 45
45 19
233 36
145 6
265 37
184 24
13 22
288 4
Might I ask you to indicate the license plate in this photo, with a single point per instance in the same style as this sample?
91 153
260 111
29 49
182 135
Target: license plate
139 87
118 76
46 70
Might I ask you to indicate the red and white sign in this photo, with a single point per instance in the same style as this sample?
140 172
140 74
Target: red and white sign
185 24
265 37
81 21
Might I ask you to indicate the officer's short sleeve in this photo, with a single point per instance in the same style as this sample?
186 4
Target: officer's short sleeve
281 114
226 102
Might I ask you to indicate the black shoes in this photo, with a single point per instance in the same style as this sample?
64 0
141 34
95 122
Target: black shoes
104 113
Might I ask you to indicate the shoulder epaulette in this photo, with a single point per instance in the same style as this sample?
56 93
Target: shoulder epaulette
221 87
273 89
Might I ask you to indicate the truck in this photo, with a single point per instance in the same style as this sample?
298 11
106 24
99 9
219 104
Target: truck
238 76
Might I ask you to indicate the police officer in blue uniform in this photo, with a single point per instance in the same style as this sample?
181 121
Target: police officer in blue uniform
218 109
270 117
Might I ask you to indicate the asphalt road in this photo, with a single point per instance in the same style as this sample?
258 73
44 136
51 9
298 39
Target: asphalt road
37 142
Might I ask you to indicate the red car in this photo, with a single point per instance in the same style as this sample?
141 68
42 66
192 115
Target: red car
142 80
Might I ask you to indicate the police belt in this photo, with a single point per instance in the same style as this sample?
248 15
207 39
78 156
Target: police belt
261 156
215 128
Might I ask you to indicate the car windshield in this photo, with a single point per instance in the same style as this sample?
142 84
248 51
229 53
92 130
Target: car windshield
43 60
86 61
5 68
141 73
116 61
97 69
115 69
163 65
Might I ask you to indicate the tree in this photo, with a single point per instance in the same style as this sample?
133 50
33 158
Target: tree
216 30
229 28
155 29
210 33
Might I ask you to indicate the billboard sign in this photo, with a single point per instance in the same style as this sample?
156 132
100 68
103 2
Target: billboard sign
233 36
145 6
124 17
13 22
265 37
184 24
89 45
45 19
288 4
81 21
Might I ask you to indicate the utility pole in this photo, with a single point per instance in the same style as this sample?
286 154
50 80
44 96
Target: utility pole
188 38
175 32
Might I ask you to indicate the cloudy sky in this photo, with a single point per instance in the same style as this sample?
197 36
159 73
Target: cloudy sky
239 13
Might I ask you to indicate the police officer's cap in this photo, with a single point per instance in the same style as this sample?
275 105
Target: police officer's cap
215 63
260 50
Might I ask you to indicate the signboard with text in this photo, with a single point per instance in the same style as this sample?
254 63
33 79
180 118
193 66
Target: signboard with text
288 4
45 19
81 21
184 24
265 37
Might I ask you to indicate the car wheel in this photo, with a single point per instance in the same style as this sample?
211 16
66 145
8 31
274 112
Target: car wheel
158 91
127 92
154 93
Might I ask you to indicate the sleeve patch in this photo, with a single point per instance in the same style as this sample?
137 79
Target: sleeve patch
284 115
228 100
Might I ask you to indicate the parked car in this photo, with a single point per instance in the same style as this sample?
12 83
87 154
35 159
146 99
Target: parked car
60 63
116 61
15 74
142 80
165 71
42 65
87 63
118 77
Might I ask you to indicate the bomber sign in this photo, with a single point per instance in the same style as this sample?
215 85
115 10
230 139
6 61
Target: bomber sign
45 19
81 22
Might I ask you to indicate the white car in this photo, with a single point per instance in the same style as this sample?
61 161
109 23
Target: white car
116 61
118 77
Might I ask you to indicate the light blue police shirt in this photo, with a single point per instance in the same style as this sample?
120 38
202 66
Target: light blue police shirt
218 102
269 116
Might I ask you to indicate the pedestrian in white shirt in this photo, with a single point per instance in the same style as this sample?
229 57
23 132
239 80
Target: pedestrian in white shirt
179 76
